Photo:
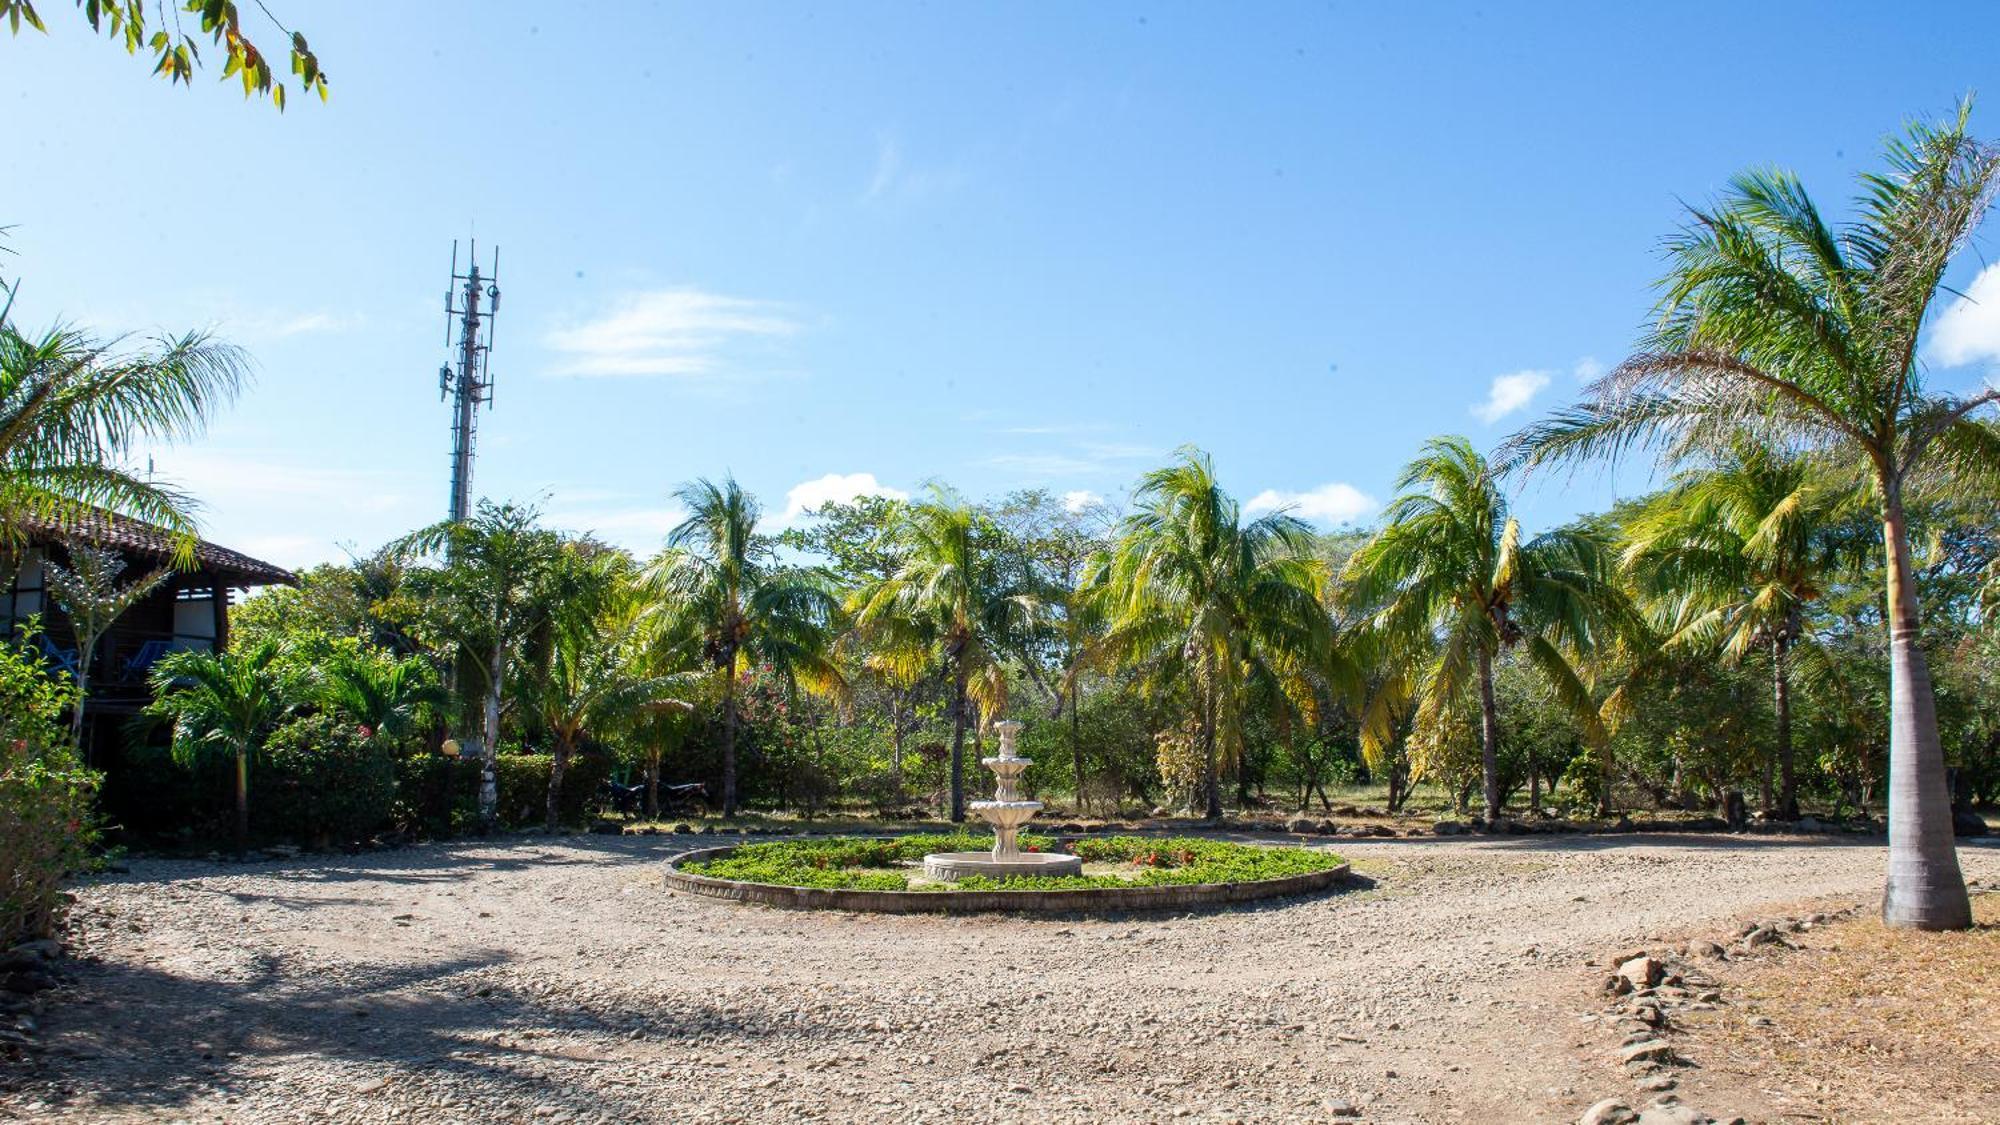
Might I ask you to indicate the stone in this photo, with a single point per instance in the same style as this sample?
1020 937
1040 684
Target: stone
1668 1110
1647 1051
1642 971
1341 1107
683 829
1965 822
1610 1111
1706 949
1302 826
1762 935
1809 824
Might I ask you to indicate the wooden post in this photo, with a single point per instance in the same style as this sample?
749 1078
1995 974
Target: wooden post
220 606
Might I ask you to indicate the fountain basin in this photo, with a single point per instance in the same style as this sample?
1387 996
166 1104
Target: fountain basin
953 866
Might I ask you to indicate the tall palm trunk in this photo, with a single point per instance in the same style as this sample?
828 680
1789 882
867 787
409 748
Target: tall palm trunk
1925 889
958 705
896 739
1489 738
489 734
653 786
1076 744
729 739
557 768
242 799
1781 704
1211 769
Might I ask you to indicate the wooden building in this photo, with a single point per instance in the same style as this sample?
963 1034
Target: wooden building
190 610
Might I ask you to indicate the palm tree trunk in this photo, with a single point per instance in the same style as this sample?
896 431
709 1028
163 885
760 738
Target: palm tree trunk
653 786
1076 744
557 767
1781 703
729 740
1925 889
84 653
242 799
1211 769
896 739
958 704
1489 738
489 733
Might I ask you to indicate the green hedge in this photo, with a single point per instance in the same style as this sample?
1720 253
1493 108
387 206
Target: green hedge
321 782
863 864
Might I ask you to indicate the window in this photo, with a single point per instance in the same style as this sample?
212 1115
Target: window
26 593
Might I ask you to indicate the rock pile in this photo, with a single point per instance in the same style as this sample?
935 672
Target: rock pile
27 971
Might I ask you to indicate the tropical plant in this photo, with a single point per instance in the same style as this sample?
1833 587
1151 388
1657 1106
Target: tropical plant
1449 584
74 407
599 677
1206 601
221 703
504 579
388 698
720 580
1777 324
948 601
47 823
88 591
1732 558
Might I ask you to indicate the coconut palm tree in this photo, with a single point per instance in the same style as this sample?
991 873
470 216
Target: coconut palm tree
1731 558
1207 601
948 600
720 579
74 407
1776 323
221 703
1449 583
601 675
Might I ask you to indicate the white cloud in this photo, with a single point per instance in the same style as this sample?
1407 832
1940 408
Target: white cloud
1969 330
1079 499
833 488
684 332
1587 369
1334 502
1510 393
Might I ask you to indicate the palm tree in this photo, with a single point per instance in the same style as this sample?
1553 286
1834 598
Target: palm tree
600 676
1732 557
1201 598
504 579
88 591
949 600
386 696
1450 578
1802 334
723 580
73 407
221 703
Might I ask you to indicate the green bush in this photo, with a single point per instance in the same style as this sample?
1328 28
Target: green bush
46 821
863 864
523 782
322 782
436 795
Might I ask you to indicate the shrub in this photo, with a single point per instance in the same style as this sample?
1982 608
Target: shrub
46 823
523 781
324 782
863 864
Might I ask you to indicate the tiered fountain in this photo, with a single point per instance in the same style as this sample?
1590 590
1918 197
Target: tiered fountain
1006 812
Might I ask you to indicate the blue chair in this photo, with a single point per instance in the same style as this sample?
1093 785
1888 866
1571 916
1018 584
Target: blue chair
63 658
141 662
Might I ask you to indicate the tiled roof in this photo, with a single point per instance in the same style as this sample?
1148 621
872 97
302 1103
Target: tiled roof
146 540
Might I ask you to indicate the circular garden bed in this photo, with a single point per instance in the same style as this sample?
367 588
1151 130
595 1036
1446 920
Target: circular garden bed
1120 873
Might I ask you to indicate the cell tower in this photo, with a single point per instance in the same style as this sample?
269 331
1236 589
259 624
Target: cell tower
470 384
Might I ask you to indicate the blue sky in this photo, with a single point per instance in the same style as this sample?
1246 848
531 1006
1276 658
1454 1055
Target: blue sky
830 247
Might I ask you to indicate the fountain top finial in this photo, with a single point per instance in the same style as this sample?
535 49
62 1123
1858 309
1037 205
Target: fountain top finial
1007 729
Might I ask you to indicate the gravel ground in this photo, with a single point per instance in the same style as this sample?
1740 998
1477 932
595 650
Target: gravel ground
556 980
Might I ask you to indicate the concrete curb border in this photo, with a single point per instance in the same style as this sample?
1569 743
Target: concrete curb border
1075 901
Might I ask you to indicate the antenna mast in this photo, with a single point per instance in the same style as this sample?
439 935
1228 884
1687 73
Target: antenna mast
470 384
